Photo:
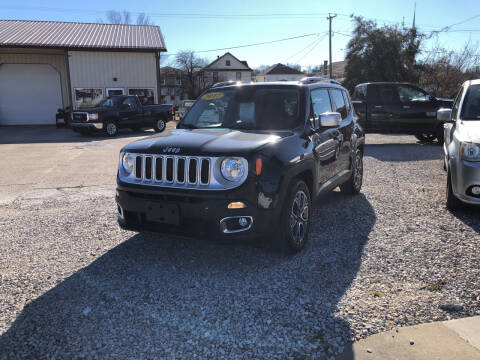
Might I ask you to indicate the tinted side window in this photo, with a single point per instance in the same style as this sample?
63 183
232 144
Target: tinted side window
360 92
321 102
409 93
338 102
456 104
347 101
389 94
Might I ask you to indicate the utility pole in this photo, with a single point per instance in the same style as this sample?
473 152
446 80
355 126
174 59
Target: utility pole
329 18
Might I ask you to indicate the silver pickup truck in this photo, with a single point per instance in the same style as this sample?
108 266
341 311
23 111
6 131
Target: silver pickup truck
462 146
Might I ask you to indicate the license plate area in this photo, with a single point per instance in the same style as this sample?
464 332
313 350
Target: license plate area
163 213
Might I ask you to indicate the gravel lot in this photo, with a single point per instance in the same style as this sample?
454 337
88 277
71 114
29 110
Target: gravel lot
73 285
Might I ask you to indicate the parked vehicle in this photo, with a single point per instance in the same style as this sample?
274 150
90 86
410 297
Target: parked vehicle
462 146
398 108
246 160
63 117
117 112
184 107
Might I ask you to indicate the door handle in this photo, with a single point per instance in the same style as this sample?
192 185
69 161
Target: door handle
378 107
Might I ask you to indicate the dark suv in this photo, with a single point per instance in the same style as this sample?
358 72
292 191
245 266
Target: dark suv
246 160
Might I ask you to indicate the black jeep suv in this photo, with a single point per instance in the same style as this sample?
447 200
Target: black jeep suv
246 160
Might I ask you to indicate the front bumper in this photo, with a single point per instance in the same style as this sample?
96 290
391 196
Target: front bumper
199 214
465 175
87 125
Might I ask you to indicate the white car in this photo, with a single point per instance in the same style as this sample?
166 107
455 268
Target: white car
462 146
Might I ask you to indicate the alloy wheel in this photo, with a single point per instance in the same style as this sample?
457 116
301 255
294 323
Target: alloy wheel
299 217
111 129
160 125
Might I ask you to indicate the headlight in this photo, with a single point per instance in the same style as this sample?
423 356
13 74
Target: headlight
233 169
470 151
128 162
93 116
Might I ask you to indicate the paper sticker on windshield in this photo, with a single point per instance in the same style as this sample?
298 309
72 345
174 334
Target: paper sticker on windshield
212 96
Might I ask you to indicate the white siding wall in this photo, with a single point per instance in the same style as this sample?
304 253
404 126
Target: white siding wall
222 63
90 69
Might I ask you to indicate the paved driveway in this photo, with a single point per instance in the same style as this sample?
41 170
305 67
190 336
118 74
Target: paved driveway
40 160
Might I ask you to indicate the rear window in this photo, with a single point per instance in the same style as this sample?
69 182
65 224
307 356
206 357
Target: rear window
471 104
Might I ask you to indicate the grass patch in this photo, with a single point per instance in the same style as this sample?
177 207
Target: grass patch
376 293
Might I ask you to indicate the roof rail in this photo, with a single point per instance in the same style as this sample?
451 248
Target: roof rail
314 79
225 83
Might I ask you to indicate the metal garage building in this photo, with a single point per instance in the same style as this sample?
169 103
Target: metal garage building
48 65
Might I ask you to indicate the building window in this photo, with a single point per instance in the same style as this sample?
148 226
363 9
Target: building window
87 97
164 82
115 91
227 62
146 96
178 82
239 75
215 76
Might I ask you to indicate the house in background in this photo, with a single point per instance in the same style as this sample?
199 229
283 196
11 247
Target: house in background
173 82
46 65
280 72
225 68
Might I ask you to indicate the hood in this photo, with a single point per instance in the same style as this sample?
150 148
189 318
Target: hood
469 131
210 142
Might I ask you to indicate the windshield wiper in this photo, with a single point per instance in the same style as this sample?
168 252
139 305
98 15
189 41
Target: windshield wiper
241 127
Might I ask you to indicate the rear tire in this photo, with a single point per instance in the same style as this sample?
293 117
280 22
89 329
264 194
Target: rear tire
159 125
354 184
452 201
425 137
295 218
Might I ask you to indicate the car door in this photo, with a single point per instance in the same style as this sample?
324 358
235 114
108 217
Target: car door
449 127
325 140
388 113
128 111
345 130
418 110
379 116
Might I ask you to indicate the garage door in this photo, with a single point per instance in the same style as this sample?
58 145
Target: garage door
29 94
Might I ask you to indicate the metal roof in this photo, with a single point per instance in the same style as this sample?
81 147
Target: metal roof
52 34
280 69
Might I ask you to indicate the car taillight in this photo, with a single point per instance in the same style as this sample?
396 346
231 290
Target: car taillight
173 110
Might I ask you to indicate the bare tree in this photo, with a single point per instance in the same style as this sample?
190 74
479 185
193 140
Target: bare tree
190 64
126 17
443 71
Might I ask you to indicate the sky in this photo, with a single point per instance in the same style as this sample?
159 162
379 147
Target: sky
217 24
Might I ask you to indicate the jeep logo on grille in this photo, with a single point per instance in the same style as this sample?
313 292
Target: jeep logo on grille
173 150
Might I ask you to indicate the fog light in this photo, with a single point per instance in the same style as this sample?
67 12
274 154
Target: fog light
476 190
243 221
236 205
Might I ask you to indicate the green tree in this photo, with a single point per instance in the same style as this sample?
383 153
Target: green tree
381 53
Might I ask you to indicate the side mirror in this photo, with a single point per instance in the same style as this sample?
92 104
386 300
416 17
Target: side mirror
429 97
330 119
444 115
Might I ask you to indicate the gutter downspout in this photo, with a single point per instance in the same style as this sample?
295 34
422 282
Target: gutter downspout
69 83
159 90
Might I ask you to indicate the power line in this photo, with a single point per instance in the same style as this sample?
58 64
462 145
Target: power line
254 44
305 48
309 51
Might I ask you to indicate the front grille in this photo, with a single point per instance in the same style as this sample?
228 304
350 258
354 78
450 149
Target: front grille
173 170
79 117
179 171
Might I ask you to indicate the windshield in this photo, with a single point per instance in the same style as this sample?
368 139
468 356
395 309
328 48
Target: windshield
471 104
247 107
110 102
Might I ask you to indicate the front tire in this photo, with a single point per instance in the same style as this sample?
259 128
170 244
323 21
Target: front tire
111 128
295 218
159 125
452 201
354 184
